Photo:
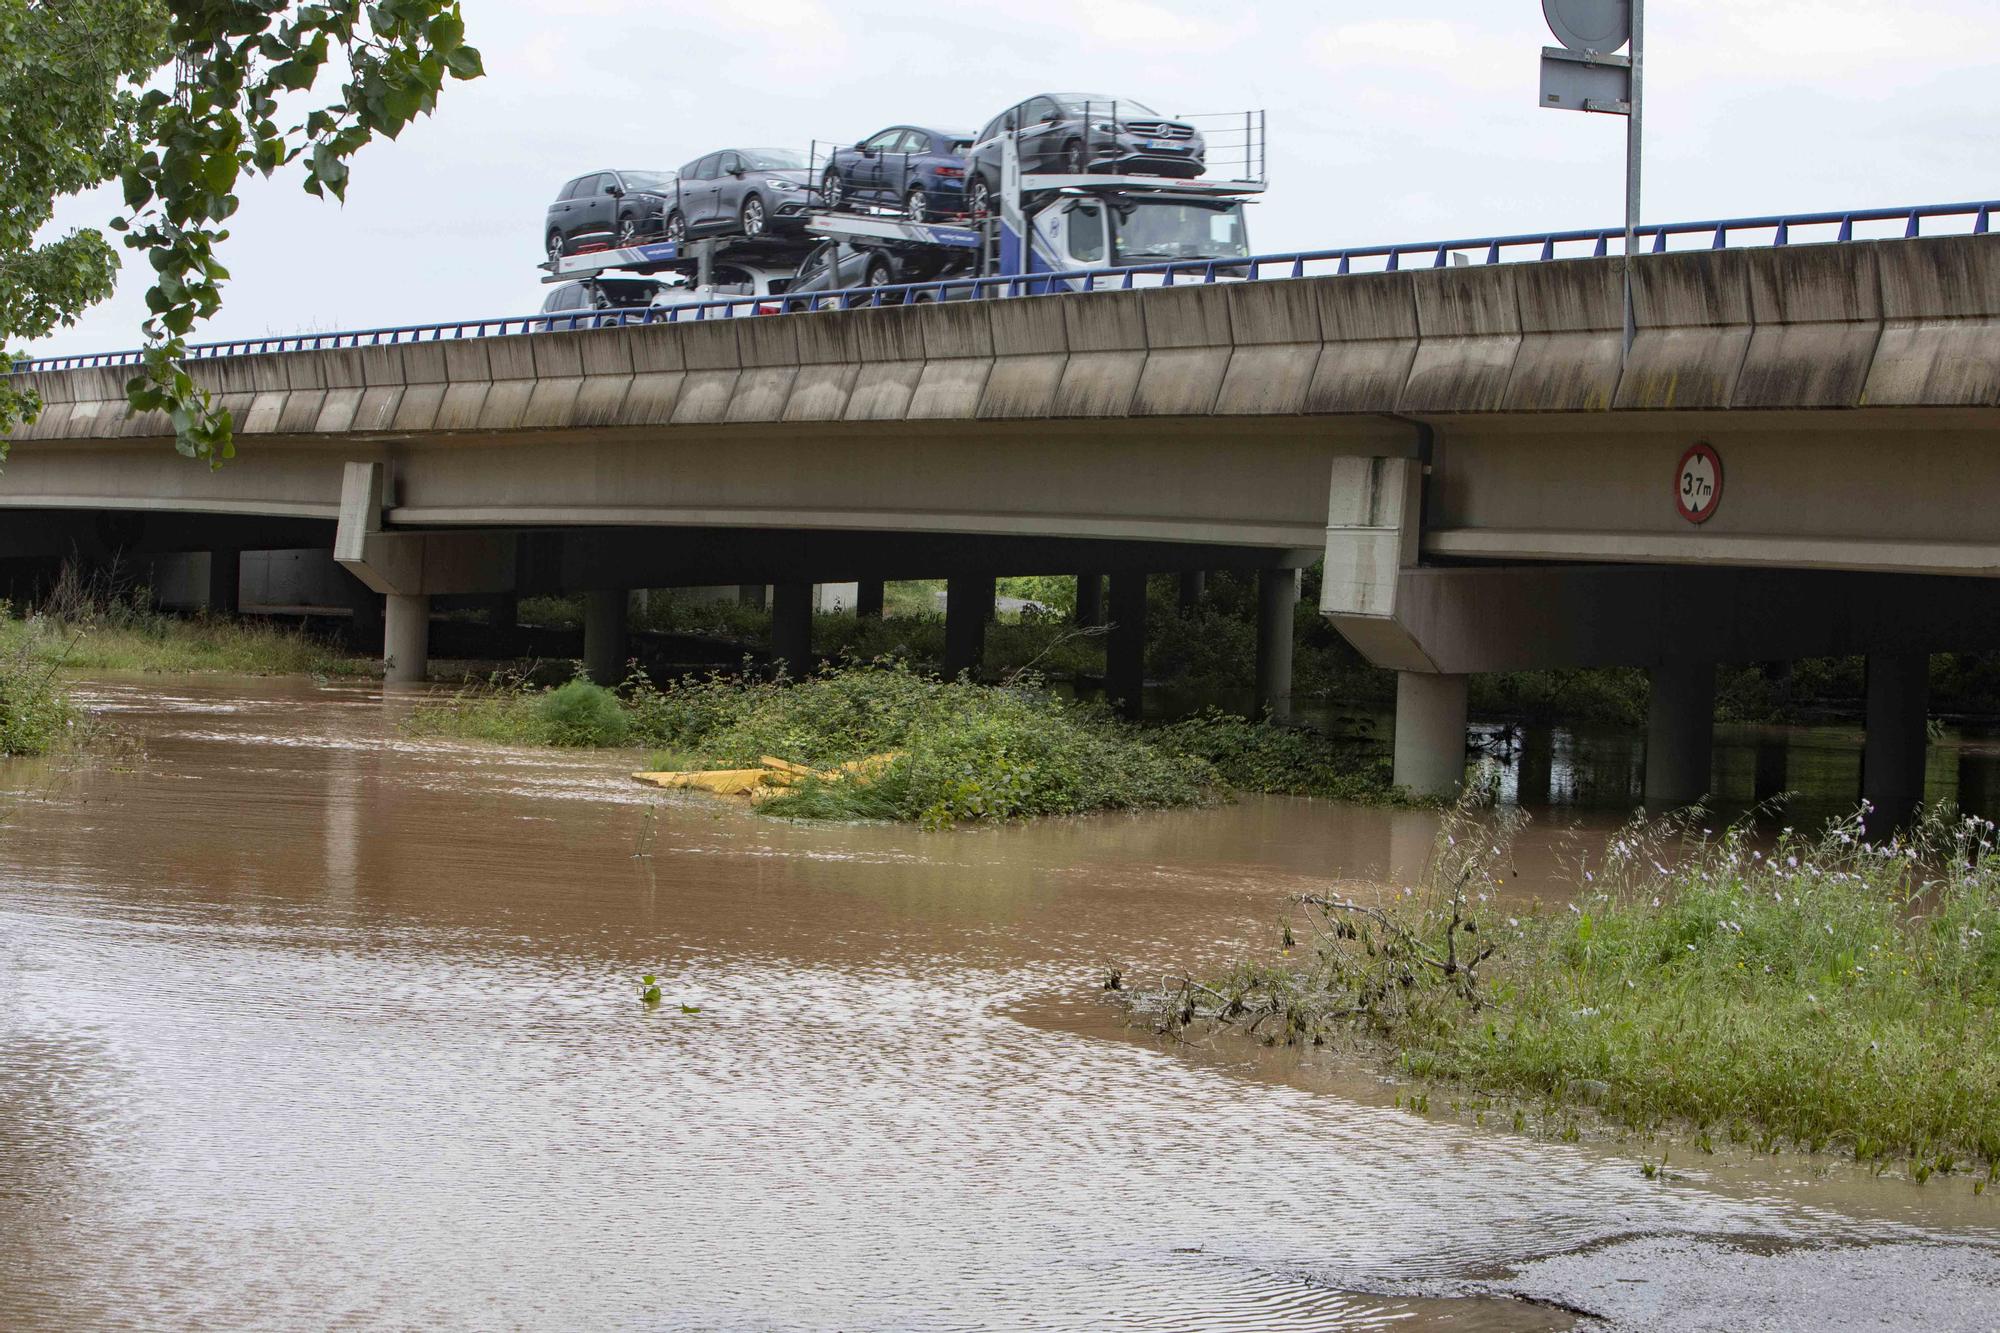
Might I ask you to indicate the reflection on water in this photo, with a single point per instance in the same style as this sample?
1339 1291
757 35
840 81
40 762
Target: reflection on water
306 1024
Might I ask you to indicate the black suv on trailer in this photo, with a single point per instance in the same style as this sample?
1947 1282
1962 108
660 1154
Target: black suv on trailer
614 207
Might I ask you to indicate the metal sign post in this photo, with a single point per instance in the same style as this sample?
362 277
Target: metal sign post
1586 73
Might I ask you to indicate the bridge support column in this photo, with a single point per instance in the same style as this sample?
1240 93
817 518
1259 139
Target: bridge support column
225 582
1277 595
1892 757
1680 734
868 598
503 612
968 605
1193 584
605 613
406 638
792 627
1125 654
1430 732
1089 600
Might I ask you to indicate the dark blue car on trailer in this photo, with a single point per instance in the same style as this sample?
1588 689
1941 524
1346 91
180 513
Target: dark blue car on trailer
919 171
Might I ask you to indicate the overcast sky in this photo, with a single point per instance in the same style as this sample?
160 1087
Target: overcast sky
1387 123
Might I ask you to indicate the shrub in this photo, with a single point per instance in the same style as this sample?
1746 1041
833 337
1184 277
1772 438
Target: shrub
36 713
582 714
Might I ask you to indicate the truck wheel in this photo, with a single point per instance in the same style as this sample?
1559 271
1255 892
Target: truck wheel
833 190
916 204
978 197
676 229
752 216
628 231
555 245
1072 158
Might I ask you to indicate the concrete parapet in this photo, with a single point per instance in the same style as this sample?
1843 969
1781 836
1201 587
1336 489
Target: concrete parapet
761 393
821 392
1180 381
1113 322
883 390
1193 316
1369 321
1272 312
1817 311
1269 379
1032 326
1022 386
1941 325
1098 384
1572 337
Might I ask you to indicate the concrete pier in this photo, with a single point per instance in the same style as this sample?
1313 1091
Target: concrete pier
1892 757
868 598
1680 734
1089 599
968 606
1194 583
1430 732
1125 653
791 627
225 582
406 638
604 621
1277 597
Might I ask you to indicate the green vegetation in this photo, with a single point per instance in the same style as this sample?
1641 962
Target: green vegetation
178 100
36 714
1281 761
100 625
961 751
1826 994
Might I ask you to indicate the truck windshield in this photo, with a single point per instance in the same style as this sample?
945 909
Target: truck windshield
1180 230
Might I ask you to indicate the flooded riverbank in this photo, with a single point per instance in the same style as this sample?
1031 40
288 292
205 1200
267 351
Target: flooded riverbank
303 1022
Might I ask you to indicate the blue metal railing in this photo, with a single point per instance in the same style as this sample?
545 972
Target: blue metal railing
1655 238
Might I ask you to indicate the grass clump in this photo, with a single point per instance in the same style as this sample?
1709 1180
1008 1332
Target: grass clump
1826 994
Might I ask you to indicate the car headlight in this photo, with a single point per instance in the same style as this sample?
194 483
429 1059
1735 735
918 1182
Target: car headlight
1106 127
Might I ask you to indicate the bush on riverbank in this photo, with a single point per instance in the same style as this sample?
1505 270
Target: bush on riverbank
1828 994
36 714
963 751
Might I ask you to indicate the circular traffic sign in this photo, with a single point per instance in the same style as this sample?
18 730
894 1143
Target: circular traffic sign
1698 483
1590 25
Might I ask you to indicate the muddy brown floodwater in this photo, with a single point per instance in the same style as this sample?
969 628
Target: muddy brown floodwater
304 1024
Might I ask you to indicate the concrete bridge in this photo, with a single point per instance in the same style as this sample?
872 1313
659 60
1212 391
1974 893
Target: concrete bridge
1492 478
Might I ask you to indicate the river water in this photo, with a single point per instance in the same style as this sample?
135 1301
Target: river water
306 1024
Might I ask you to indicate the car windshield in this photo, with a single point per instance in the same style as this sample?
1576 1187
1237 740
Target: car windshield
773 159
1180 230
1101 102
647 180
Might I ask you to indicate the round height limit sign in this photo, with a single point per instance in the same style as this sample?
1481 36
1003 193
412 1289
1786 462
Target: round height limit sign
1698 483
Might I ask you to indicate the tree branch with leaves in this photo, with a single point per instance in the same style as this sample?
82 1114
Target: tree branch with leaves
178 100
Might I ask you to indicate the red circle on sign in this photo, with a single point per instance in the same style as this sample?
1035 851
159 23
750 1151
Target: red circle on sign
1698 483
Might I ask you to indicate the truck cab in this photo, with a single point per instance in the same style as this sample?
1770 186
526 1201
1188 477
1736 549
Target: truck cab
1128 229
